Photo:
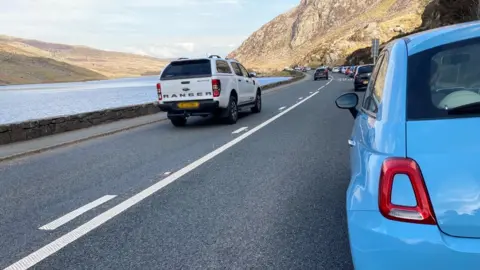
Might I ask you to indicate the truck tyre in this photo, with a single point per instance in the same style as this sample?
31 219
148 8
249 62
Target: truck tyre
232 111
178 121
258 103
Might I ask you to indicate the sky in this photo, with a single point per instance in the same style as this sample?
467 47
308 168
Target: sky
160 28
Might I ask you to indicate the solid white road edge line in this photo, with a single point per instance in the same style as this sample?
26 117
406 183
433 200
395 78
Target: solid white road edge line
51 248
75 213
240 130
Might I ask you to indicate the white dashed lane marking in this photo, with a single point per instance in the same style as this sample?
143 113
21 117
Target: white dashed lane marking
76 213
240 130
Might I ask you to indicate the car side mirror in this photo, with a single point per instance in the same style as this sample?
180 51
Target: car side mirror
252 74
348 101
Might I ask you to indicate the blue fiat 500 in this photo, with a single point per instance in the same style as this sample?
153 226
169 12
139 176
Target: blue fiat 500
413 201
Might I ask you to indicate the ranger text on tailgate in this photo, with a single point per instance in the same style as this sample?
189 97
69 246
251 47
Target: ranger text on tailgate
207 86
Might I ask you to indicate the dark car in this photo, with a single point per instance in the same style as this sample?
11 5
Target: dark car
321 73
362 77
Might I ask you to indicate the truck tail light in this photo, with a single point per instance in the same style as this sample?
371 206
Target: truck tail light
216 87
159 91
421 213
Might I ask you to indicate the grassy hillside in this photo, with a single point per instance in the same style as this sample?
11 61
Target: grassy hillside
25 61
24 67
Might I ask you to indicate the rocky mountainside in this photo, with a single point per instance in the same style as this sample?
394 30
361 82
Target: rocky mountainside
31 61
436 13
326 31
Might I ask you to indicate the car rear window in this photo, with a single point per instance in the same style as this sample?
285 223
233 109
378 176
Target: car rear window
365 69
443 78
187 69
321 70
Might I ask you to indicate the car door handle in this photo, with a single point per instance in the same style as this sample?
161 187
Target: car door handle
351 143
239 80
247 80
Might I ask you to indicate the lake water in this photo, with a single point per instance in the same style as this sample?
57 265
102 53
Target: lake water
36 101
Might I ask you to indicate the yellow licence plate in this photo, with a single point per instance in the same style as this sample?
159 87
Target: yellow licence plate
365 82
188 105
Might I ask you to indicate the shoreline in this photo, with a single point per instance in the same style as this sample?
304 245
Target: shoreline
76 81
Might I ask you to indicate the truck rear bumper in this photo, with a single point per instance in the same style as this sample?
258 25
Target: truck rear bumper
206 107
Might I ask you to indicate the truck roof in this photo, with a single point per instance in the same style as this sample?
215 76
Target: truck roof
205 58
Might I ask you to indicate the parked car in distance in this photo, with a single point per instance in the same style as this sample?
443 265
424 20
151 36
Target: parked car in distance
348 70
343 70
413 200
362 77
336 69
352 71
321 73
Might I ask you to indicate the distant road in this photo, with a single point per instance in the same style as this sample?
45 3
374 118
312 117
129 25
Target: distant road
266 193
25 102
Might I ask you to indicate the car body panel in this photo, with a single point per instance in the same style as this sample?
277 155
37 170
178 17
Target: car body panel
440 36
371 134
379 244
446 151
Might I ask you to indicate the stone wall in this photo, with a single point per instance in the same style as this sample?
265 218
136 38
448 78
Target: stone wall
33 129
28 130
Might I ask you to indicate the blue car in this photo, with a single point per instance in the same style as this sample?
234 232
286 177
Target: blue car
413 200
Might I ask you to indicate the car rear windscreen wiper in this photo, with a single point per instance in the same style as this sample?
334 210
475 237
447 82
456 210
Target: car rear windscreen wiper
470 108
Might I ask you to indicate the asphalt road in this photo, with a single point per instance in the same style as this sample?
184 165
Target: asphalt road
270 196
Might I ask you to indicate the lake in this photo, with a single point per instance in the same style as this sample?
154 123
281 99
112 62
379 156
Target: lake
36 101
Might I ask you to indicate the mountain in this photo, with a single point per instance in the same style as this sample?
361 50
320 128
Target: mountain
436 13
326 31
31 61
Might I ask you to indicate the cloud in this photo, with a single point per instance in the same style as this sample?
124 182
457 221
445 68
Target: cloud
197 48
161 28
187 46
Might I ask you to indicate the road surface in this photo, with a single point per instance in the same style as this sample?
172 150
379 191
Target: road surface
266 193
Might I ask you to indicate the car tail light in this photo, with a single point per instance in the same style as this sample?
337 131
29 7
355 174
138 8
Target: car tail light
216 87
159 91
423 211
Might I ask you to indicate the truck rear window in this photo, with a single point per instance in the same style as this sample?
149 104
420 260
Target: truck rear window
187 69
443 78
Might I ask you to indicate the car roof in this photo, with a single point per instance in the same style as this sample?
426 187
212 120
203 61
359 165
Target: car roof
440 36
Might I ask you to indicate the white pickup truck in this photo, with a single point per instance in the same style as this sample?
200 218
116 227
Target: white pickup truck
207 86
